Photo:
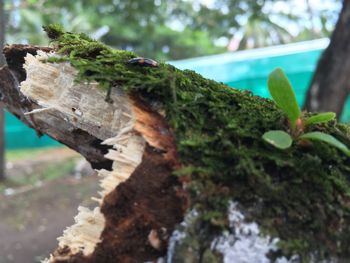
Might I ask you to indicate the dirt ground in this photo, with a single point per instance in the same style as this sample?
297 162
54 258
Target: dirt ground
32 218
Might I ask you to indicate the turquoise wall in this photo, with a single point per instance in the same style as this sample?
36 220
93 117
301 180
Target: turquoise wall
20 136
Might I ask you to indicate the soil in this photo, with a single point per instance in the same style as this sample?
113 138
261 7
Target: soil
31 220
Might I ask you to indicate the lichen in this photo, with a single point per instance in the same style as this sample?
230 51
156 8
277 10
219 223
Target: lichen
300 195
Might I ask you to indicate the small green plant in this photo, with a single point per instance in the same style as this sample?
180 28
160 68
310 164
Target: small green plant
282 93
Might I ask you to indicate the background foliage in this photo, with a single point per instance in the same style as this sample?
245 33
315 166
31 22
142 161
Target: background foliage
174 29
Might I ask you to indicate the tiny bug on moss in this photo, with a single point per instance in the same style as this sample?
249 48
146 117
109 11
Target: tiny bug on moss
145 62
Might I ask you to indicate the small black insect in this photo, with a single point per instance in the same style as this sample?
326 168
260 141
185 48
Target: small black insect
144 62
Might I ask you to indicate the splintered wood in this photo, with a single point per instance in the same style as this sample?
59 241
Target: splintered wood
83 236
112 123
53 87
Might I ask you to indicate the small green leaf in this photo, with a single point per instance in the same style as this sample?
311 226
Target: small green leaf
320 118
282 93
279 139
320 136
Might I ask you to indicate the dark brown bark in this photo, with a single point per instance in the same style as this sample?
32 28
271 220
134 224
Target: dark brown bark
150 200
2 113
330 85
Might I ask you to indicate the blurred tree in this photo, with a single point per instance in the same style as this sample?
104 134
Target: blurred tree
260 31
156 28
2 114
247 19
142 26
330 85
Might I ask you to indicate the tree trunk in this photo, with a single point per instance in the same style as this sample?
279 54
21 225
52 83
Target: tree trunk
245 196
330 85
125 134
2 113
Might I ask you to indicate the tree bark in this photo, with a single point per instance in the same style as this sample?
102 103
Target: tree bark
86 144
330 86
2 113
134 144
126 225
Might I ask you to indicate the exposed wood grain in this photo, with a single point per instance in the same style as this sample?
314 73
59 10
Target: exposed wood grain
15 102
139 195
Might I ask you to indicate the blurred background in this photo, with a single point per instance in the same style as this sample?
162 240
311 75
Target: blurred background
233 41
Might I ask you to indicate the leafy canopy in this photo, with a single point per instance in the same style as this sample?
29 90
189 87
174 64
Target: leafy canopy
163 30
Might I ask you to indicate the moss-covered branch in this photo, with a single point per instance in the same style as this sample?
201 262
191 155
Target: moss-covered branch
300 195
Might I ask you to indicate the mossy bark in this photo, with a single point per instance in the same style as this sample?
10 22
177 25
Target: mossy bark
300 195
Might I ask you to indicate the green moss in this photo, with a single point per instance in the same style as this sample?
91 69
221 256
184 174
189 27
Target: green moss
300 195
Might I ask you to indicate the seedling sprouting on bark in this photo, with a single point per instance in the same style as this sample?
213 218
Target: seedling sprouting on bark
282 93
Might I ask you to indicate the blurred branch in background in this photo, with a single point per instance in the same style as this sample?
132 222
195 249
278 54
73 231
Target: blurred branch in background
2 113
330 85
